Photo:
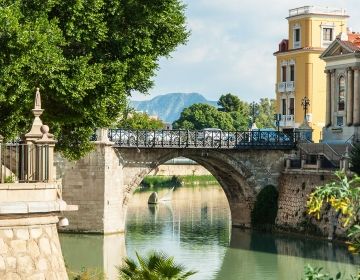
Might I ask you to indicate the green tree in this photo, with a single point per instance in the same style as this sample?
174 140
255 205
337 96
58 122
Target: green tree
157 266
138 120
199 116
230 103
240 120
87 56
266 111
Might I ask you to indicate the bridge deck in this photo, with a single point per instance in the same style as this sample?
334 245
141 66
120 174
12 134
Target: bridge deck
209 139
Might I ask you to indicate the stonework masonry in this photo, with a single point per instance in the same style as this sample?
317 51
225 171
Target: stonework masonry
30 249
294 189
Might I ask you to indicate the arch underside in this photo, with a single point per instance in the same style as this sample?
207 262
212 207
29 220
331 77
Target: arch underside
233 172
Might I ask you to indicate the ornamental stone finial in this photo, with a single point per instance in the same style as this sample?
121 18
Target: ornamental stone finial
37 100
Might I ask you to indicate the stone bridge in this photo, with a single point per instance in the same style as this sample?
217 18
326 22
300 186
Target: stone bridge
102 183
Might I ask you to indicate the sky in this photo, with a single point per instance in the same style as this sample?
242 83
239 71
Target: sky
231 47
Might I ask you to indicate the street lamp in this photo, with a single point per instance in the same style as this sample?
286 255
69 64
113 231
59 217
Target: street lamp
305 103
254 113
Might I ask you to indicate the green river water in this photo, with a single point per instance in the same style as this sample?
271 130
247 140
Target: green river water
195 228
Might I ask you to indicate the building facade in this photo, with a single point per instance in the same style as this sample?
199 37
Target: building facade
300 71
342 57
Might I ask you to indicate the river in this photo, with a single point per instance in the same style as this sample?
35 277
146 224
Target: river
195 228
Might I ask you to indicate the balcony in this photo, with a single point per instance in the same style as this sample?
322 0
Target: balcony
316 10
281 87
286 87
290 86
287 121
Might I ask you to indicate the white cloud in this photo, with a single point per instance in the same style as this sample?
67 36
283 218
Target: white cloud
231 47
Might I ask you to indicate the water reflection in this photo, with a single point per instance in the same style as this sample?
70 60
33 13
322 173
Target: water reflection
195 229
94 252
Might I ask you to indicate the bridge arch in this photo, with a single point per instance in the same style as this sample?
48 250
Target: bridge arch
103 182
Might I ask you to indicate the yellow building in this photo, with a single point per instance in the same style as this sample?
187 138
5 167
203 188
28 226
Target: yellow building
300 71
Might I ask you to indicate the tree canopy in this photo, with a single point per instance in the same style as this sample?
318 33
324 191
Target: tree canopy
199 116
87 56
139 120
233 114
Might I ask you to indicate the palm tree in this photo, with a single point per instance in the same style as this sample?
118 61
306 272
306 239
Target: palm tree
156 266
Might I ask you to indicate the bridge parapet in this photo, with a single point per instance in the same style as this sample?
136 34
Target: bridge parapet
207 138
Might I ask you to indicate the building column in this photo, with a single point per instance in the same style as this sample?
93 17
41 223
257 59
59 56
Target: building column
356 116
328 98
349 97
332 93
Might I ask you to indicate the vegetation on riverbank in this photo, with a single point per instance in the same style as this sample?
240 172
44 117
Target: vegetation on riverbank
176 181
343 196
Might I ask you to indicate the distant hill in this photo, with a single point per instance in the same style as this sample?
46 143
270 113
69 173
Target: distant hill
169 106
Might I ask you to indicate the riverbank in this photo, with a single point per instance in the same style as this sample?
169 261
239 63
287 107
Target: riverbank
176 181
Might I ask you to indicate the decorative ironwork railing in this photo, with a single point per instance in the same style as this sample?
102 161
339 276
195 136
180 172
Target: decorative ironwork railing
24 163
213 139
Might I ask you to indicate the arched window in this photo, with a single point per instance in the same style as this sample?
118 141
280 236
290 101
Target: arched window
341 101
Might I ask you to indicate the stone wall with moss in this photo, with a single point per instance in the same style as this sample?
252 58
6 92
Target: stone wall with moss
294 188
30 249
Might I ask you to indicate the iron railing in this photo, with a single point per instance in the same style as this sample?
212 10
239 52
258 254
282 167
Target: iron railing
24 163
212 139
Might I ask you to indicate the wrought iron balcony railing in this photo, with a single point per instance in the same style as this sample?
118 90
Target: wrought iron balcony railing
20 163
212 139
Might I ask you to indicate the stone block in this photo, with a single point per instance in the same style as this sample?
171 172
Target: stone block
48 231
22 234
7 233
3 247
18 246
33 249
42 264
38 276
25 265
12 276
35 233
11 263
2 264
45 246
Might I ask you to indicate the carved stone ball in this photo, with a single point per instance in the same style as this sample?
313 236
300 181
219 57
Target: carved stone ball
44 129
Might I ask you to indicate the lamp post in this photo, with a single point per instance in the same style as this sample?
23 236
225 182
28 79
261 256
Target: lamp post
254 113
305 103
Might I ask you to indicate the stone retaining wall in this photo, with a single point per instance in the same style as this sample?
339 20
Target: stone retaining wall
294 188
30 249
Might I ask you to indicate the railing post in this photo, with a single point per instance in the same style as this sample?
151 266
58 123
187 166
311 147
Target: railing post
102 135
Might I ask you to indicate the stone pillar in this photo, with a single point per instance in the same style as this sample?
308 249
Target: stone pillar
349 97
328 98
95 183
356 116
332 92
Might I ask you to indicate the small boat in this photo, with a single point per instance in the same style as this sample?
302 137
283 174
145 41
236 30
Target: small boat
153 199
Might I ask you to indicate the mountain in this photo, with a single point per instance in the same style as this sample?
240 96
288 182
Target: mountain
169 106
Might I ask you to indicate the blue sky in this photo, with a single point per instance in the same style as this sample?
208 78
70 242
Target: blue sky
231 47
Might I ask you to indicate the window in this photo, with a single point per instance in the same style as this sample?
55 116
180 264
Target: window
291 106
297 38
341 100
327 34
297 35
292 73
339 120
283 73
284 106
